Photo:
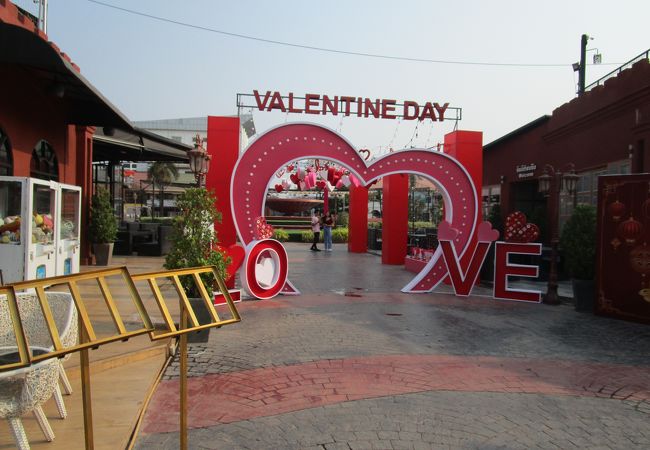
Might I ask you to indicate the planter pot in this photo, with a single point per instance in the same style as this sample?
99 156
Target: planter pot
203 316
103 254
584 294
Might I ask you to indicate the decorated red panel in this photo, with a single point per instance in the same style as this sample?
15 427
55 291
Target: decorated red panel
623 259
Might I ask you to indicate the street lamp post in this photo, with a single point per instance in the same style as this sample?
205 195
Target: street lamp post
551 183
199 161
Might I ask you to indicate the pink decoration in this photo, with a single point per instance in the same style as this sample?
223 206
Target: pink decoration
263 230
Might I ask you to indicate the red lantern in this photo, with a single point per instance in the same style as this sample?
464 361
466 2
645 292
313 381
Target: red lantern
617 209
630 231
640 258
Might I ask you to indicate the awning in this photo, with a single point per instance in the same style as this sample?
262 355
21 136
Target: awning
43 69
136 145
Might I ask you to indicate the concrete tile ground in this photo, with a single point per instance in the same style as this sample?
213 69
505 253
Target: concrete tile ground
354 363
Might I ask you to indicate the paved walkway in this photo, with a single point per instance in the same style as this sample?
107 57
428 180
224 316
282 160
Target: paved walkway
353 363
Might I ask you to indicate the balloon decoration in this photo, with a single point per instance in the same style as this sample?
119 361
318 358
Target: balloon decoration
317 176
519 230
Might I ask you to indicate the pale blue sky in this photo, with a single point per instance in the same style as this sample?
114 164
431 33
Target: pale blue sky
155 70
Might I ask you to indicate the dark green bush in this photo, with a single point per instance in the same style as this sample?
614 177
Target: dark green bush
194 238
103 227
578 242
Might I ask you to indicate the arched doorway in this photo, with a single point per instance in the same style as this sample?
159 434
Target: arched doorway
6 158
44 164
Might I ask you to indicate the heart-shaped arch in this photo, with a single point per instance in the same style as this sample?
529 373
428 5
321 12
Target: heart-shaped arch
285 143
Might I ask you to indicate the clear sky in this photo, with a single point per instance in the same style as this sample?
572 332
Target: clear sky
155 70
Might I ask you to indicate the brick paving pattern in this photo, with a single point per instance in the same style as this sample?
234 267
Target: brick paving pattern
379 369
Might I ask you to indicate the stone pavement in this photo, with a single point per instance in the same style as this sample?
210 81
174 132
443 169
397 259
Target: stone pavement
354 363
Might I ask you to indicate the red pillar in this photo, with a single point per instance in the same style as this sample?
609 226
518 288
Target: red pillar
467 148
395 219
223 146
358 224
83 145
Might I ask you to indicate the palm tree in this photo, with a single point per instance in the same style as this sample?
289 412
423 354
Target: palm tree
162 173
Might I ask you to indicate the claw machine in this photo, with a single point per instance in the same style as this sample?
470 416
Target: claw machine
68 222
27 239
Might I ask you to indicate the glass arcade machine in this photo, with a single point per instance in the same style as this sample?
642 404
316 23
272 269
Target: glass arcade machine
27 239
68 222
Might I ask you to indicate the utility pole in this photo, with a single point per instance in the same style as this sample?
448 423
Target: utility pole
42 15
583 64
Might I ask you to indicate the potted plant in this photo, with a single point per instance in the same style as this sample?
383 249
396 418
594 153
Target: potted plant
102 230
193 244
578 242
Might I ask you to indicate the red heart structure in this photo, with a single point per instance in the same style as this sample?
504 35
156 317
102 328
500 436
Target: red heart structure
279 188
263 230
519 230
321 184
236 253
293 142
293 177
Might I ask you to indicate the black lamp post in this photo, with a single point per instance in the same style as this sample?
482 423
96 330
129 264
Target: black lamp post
199 160
551 183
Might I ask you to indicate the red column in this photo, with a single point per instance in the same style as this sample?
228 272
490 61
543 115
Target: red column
467 148
83 137
223 146
358 224
395 219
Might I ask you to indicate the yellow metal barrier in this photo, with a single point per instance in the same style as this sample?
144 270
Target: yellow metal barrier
22 348
89 339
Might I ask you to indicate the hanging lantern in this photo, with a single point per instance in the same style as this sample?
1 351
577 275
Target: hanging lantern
640 258
630 231
617 209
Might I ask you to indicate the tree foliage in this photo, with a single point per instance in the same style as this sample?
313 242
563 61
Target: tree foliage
103 226
194 239
578 242
162 173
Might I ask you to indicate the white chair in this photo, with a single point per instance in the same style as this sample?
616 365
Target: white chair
64 313
24 390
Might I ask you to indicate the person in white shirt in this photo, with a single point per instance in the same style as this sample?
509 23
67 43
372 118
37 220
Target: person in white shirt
315 227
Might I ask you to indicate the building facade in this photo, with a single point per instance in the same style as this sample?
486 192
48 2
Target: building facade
606 130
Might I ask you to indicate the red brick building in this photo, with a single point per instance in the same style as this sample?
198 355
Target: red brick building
606 130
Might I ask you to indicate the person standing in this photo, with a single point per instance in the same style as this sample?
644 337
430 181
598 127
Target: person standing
328 224
315 227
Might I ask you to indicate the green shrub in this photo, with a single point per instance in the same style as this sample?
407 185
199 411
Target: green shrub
343 219
308 236
340 235
194 238
280 235
578 242
374 224
102 228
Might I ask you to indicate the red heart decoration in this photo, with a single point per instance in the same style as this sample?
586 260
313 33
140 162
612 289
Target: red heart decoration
263 230
236 254
519 230
293 177
290 167
248 194
279 188
366 151
321 184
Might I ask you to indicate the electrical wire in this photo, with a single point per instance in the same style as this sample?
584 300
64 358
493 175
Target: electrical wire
324 49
